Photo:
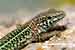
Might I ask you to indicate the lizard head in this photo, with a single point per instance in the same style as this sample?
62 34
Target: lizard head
50 18
55 15
47 21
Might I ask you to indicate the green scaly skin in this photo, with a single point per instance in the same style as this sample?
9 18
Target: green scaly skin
31 31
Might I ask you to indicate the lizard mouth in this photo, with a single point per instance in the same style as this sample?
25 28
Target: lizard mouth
58 16
53 19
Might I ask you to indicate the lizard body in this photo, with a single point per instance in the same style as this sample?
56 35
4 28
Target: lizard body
31 31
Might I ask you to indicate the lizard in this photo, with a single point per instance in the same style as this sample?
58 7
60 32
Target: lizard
33 30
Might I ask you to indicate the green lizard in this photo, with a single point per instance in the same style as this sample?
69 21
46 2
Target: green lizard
32 30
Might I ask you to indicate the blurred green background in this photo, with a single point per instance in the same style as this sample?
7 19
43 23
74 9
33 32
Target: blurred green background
12 10
11 6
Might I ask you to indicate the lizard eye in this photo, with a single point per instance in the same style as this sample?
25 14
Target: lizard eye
49 17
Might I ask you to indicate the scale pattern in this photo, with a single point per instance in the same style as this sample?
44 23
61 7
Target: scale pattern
31 31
